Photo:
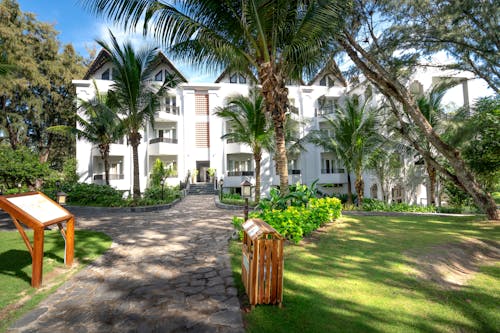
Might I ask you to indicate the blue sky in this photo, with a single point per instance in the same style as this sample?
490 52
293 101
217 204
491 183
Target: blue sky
80 28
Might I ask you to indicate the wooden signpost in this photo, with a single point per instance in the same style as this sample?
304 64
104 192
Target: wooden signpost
37 211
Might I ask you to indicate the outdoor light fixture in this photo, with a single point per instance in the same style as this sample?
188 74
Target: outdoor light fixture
60 195
162 182
246 189
221 182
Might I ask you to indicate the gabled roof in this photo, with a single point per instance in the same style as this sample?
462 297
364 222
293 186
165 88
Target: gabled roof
104 57
227 72
332 69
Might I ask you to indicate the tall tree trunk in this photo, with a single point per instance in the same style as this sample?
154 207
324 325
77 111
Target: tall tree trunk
393 88
257 157
431 193
359 185
349 189
104 150
135 139
276 100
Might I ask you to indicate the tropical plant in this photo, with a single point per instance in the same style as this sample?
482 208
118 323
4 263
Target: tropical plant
372 43
430 105
133 93
352 138
248 124
278 40
99 124
158 173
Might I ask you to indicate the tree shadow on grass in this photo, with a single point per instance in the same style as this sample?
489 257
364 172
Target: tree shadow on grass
14 262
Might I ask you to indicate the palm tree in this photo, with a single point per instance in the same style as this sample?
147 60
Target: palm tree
276 39
99 125
353 136
248 125
430 104
133 93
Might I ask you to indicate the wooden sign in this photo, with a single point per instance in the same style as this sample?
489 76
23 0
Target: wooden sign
37 211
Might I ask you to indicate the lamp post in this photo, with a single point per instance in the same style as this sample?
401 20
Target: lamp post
221 182
162 182
246 189
60 195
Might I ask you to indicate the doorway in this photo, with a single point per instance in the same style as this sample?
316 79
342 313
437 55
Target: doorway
202 167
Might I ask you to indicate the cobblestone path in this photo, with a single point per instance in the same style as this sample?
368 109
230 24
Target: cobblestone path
166 271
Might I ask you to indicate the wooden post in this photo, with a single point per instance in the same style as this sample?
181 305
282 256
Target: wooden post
37 260
245 210
70 242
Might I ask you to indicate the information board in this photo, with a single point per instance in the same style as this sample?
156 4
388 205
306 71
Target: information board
39 207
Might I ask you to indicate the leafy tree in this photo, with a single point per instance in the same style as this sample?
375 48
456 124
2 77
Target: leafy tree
276 40
386 64
465 29
40 94
133 93
21 166
248 125
352 138
478 136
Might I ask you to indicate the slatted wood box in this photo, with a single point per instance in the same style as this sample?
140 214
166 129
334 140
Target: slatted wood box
262 263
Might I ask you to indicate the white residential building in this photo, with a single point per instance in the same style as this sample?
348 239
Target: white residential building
186 134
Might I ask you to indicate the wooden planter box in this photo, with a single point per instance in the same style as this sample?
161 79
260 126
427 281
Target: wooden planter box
262 263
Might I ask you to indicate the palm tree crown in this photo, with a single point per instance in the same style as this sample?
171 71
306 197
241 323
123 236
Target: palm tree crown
248 124
277 40
133 93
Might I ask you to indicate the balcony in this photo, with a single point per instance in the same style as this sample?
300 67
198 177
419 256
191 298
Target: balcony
167 112
331 171
240 173
163 146
237 148
100 178
324 111
115 149
165 140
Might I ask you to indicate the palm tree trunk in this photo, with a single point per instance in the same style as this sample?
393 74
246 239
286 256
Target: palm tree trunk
349 189
104 150
431 189
276 99
257 157
390 87
135 139
359 185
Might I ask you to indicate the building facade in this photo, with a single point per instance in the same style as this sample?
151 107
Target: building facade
186 134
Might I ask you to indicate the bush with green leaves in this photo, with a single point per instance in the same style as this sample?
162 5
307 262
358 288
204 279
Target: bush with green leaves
93 195
380 206
21 166
295 222
158 195
299 195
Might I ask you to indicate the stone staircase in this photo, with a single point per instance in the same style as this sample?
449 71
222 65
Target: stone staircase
201 188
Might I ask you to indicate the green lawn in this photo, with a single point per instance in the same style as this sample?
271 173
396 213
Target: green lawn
15 267
357 277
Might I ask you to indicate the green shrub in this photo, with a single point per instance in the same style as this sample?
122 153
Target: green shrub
233 196
295 222
154 194
380 206
93 195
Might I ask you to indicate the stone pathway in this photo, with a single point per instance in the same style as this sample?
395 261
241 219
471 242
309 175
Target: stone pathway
167 271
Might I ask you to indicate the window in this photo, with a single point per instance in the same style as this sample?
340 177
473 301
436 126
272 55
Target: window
322 82
240 165
105 75
159 76
329 164
242 79
233 78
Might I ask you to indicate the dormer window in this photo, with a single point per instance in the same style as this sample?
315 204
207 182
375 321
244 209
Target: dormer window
242 79
327 81
159 76
233 78
105 75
